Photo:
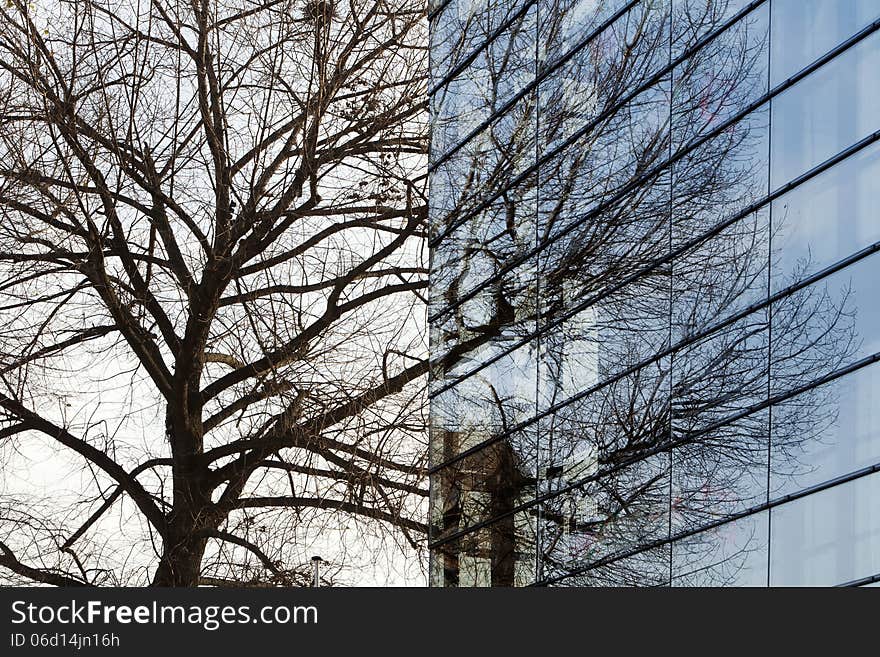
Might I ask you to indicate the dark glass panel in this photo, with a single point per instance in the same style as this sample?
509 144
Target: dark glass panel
501 555
485 404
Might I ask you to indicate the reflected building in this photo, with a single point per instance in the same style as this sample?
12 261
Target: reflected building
653 306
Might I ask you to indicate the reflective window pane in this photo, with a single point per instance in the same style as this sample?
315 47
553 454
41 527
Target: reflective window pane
721 375
692 20
464 27
606 518
725 76
497 73
825 326
720 277
613 424
733 554
826 112
804 30
827 432
648 568
828 538
499 554
565 24
489 163
720 473
601 300
826 219
721 178
488 402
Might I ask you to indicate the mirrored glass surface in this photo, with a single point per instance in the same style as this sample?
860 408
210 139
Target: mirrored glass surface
827 432
726 76
694 20
464 27
489 402
481 272
612 425
621 330
720 277
826 112
646 569
720 376
826 326
595 161
499 554
492 162
732 554
495 74
606 518
720 472
602 334
804 30
828 538
826 219
720 178
567 25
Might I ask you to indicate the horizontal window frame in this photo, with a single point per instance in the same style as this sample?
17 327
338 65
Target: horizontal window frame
864 581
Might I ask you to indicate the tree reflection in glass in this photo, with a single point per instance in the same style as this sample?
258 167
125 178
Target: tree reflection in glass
605 345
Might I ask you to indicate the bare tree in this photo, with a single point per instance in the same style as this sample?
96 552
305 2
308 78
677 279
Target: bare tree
212 268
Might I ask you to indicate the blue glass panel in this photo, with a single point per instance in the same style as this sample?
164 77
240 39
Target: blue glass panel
827 432
733 554
828 538
826 112
827 219
826 326
804 30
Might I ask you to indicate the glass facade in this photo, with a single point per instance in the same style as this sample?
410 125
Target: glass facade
653 303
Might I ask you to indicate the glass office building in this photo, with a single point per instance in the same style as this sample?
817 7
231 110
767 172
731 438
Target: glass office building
655 292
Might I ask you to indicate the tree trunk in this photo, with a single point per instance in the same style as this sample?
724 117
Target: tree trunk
181 563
